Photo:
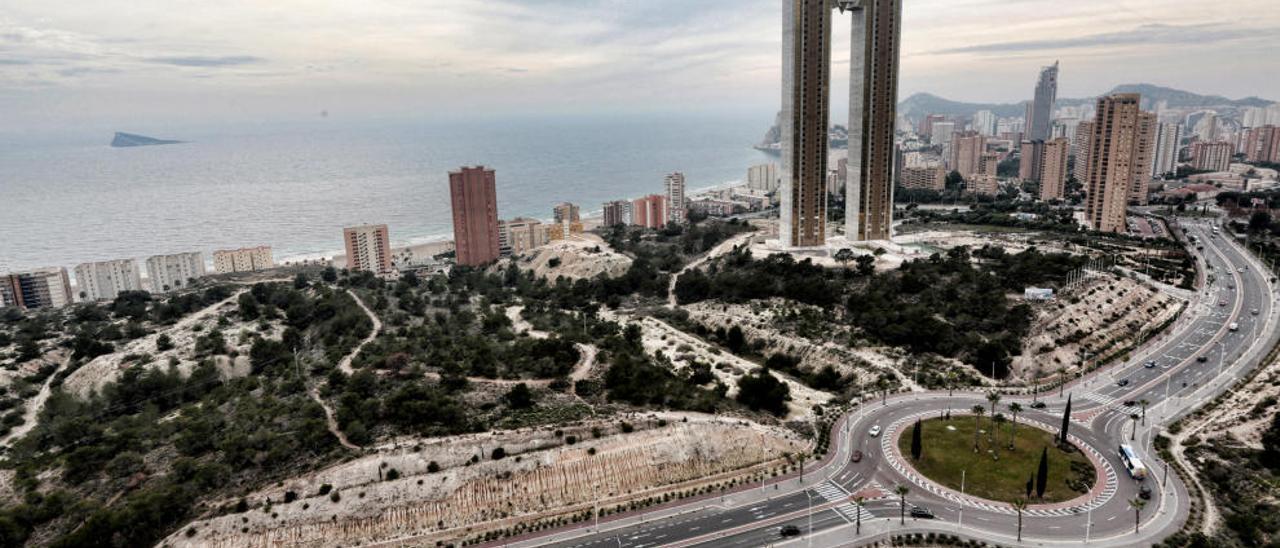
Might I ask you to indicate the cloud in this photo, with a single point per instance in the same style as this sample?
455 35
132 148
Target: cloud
14 62
202 61
1144 34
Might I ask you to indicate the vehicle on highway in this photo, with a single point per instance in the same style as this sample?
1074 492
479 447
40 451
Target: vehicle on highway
1234 326
921 512
875 431
1122 382
789 531
1150 364
1222 303
1131 462
1254 312
1038 405
856 456
1202 359
1144 492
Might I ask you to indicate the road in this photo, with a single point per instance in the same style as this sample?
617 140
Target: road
1200 357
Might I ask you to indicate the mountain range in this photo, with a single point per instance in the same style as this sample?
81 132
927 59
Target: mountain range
921 104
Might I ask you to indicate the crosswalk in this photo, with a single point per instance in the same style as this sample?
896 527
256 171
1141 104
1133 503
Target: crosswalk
848 510
1107 401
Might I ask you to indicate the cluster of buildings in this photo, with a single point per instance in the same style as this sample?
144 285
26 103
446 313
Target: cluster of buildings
104 280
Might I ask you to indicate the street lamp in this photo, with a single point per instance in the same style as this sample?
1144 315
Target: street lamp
809 496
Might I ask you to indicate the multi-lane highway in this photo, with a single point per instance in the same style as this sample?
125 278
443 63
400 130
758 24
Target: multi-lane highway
1226 330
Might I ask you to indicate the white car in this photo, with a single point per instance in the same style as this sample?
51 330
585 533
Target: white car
875 431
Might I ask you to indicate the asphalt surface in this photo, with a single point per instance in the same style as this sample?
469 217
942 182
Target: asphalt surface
1194 360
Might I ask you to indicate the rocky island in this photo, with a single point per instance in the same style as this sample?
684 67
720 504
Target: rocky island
123 140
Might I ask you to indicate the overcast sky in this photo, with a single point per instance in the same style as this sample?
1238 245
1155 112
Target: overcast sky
101 61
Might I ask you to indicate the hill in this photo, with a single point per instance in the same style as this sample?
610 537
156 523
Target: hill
124 140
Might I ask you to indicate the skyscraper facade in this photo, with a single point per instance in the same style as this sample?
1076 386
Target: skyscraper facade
806 97
1040 109
1031 159
676 205
1145 150
368 249
1053 169
873 112
1168 141
763 177
39 288
1212 156
1080 149
1115 159
566 212
473 191
104 280
245 259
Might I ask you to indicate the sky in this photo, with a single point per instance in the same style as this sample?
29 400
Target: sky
103 62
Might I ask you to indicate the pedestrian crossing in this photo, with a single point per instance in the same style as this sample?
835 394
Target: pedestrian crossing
848 510
1106 401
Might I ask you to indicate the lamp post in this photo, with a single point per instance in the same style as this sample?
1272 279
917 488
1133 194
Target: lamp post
960 520
809 496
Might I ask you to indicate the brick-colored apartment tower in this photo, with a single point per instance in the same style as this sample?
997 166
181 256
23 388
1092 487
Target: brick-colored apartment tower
1116 158
473 191
368 248
1053 169
650 211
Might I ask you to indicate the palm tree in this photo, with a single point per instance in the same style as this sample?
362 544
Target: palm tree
902 491
1014 408
1144 404
1133 434
996 421
978 410
859 501
1019 505
884 386
1137 504
994 398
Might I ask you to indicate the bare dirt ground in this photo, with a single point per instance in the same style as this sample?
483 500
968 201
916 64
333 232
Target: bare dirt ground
546 474
582 256
33 406
1111 313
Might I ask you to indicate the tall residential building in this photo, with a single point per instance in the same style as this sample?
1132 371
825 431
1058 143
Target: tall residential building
169 272
565 212
1145 151
247 259
1168 142
984 122
1032 159
984 185
617 212
989 164
1040 109
1206 129
1080 149
943 133
40 288
677 207
926 178
967 149
1053 169
368 249
104 280
806 95
520 235
926 124
1116 160
1215 156
873 104
473 191
763 177
1263 144
650 211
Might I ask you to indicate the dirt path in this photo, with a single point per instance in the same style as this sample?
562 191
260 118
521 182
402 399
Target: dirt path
721 249
344 365
34 405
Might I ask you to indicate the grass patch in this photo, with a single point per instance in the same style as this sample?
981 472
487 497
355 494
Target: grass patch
949 451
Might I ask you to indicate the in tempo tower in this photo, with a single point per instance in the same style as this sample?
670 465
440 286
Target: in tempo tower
806 92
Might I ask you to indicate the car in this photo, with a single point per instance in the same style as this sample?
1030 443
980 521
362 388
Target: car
1234 326
1150 364
1222 303
1242 269
1144 492
921 512
856 457
875 431
1130 403
1231 287
1038 405
1254 312
789 531
1202 359
1122 382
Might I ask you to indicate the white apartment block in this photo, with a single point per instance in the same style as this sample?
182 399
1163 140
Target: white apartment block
763 177
249 259
676 206
103 280
1168 142
169 272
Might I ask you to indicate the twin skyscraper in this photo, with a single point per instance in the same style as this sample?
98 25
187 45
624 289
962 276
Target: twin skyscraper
806 112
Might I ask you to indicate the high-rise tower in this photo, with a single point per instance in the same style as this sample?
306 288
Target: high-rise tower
873 112
1040 110
806 98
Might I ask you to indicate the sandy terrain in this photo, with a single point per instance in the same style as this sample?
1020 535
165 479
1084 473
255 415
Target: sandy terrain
582 256
543 476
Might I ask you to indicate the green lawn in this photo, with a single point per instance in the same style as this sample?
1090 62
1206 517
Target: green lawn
948 450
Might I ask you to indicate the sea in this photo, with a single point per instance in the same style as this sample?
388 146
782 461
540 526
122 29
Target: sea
69 200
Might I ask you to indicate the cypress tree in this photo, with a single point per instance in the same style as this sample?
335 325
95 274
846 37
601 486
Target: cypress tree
1031 484
916 442
1042 473
1066 421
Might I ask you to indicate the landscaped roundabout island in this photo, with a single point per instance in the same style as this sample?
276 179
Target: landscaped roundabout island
996 460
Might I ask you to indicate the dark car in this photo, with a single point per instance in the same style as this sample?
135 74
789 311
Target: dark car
921 512
856 457
1144 492
1038 405
1202 359
789 531
1150 364
1122 382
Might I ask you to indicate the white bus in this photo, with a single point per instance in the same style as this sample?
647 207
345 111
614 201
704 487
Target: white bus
1131 463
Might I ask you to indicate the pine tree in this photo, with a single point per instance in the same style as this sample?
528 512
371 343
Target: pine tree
1066 421
916 442
1042 473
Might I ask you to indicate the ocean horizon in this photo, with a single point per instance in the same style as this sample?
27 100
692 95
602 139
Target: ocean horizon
73 199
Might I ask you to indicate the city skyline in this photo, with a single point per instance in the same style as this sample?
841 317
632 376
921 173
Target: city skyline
107 64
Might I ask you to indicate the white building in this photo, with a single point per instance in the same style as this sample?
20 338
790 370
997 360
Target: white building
247 259
984 122
942 133
169 272
676 206
763 177
103 280
1168 142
